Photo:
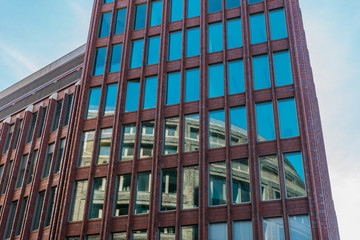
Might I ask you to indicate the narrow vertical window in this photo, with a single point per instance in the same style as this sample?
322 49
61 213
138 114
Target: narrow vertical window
140 17
232 4
300 227
110 101
156 12
153 50
56 117
234 34
173 88
20 176
189 232
99 64
191 133
168 189
41 122
1 171
192 84
17 134
120 21
236 76
105 24
192 41
273 228
167 233
87 146
32 166
214 6
238 126
37 211
269 178
216 80
132 95
177 9
257 28
150 92
171 135
240 180
218 231
265 121
294 175
50 207
31 127
122 195
21 217
175 43
282 68
60 155
128 142
242 230
142 193
147 139
190 187
216 128
48 160
78 201
10 219
277 24
193 8
116 57
93 102
261 72
97 198
215 37
68 109
217 183
6 177
8 138
104 146
136 53
288 118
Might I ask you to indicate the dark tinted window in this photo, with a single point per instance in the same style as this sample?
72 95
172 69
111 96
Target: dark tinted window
99 65
120 21
140 16
105 25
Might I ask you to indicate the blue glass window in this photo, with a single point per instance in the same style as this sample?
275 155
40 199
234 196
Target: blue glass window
255 1
175 45
99 65
108 1
257 28
288 118
261 72
217 128
215 37
110 102
277 24
238 126
232 4
176 10
236 76
150 92
156 11
105 24
136 53
294 175
265 121
216 80
193 8
116 58
214 6
173 88
234 38
192 42
120 21
192 84
94 100
140 17
302 222
282 68
132 95
153 50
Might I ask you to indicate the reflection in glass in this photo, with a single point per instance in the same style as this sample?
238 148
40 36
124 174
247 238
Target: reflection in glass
217 129
189 232
93 237
20 176
214 6
150 92
238 126
122 195
269 177
48 160
132 95
142 193
105 24
140 16
190 185
56 117
173 88
261 72
8 138
255 1
41 124
119 236
193 8
234 35
87 147
115 57
300 227
6 179
168 189
136 53
21 216
265 121
294 175
288 118
37 211
50 207
216 80
60 155
282 68
97 198
215 36
93 104
139 235
240 180
176 10
242 230
273 228
171 135
218 231
193 41
10 219
156 11
128 142
68 109
32 166
175 43
32 127
167 233
257 28
192 84
232 4
120 21
217 184
147 139
153 50
277 24
99 65
104 146
110 102
191 133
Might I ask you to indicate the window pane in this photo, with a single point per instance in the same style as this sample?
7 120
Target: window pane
6 178
236 76
108 1
192 42
93 237
193 8
156 11
190 185
32 166
257 28
192 84
136 53
218 231
110 102
116 58
32 127
168 190
147 139
17 134
50 207
215 37
261 72
120 21
269 174
255 1
97 198
20 176
173 88
189 232
93 105
104 146
140 16
37 212
60 155
153 50
171 135
87 148
56 116
42 121
242 230
234 37
175 43
277 24
150 92
167 233
216 129
128 142
123 195
142 193
8 138
139 235
48 160
300 227
21 217
265 121
232 3
214 6
282 68
119 236
217 184
78 202
238 126
99 65
294 175
68 109
216 80
273 228
132 95
10 219
105 25
176 10
240 180
191 133
288 118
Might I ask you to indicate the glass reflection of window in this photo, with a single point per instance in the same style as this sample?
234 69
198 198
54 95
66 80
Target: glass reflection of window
257 28
41 124
99 64
115 57
217 184
214 6
171 142
189 232
191 133
216 128
300 227
175 43
242 230
32 166
97 198
261 72
173 88
147 139
277 24
215 36
193 8
120 21
255 1
105 24
190 187
60 155
104 146
56 116
265 121
136 53
119 236
93 102
128 142
132 95
193 41
216 80
282 68
140 16
93 237
50 207
294 175
86 148
37 211
123 195
232 4
153 50
288 118
139 235
110 102
6 178
68 109
273 228
156 11
48 160
218 231
167 233
269 177
176 10
240 181
20 176
168 189
234 35
150 92
8 138
10 219
78 201
32 127
21 216
192 84
238 126
142 193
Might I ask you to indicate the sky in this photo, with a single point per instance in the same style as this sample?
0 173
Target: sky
32 35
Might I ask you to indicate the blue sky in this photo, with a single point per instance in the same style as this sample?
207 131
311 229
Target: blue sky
34 34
